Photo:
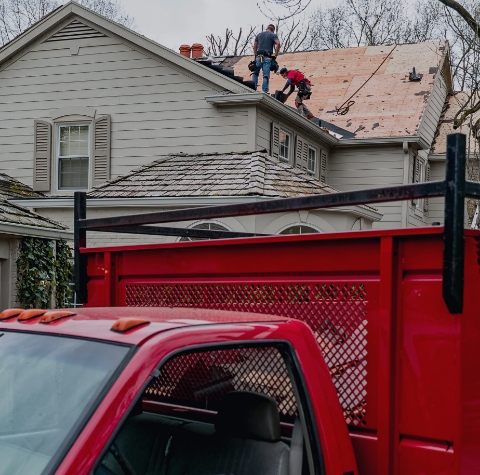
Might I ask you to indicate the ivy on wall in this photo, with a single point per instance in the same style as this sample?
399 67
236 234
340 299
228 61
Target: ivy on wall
43 267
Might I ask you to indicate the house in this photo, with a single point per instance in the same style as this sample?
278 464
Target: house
85 101
17 222
454 104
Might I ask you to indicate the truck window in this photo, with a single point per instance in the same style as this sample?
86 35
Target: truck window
48 389
220 411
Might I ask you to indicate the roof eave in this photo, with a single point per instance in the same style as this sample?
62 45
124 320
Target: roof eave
72 9
179 202
416 141
13 229
268 102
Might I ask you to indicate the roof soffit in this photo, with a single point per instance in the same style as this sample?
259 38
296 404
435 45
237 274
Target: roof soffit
63 16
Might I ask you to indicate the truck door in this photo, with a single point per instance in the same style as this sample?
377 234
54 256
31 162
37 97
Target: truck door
219 409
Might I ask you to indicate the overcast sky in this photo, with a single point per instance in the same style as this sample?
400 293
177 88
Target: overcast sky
175 22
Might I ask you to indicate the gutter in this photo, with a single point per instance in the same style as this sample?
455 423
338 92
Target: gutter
418 142
34 231
268 102
169 202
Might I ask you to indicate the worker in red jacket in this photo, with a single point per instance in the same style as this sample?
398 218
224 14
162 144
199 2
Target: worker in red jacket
297 79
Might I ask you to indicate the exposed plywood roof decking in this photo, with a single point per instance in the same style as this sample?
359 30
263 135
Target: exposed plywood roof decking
388 105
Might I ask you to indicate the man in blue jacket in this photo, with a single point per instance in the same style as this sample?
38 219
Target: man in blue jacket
265 49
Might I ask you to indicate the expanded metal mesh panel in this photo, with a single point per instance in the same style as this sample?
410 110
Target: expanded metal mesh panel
337 313
203 379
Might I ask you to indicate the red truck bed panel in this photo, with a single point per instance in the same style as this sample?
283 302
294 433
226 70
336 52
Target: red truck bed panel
405 369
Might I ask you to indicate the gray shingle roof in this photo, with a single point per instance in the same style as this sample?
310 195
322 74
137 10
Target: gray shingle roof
236 174
11 213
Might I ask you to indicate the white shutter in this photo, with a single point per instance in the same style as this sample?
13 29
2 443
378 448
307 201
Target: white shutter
42 155
275 140
301 153
323 166
415 174
101 156
427 178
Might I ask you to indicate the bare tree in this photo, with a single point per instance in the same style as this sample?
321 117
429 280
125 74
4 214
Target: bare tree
285 9
18 15
231 44
294 36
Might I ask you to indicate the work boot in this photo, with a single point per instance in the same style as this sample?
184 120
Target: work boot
310 116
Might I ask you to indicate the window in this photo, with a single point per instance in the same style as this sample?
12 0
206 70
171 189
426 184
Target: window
206 226
299 229
35 429
212 405
312 160
73 156
284 146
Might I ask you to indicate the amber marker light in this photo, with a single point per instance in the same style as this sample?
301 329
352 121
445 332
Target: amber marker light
54 315
122 325
10 313
29 314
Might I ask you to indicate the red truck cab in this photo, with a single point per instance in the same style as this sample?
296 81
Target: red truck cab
153 390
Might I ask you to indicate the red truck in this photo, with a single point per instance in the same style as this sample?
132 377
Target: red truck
336 354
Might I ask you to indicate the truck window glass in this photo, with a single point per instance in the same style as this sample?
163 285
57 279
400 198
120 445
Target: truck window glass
48 386
229 410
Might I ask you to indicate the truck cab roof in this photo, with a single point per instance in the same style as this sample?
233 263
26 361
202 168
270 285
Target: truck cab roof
140 323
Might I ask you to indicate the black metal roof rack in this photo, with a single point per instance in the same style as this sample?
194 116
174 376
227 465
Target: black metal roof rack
454 188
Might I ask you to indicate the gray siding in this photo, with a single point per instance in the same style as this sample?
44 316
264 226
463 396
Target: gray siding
155 109
365 167
436 101
436 205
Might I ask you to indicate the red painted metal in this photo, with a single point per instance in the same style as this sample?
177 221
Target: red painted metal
406 370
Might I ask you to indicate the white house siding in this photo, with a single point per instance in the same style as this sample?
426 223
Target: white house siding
359 168
433 110
155 109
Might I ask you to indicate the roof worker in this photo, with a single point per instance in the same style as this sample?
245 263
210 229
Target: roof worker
265 48
296 78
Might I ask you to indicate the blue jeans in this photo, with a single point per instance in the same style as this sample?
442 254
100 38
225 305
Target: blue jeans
264 66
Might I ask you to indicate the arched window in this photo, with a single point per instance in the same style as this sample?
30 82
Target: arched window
299 229
210 226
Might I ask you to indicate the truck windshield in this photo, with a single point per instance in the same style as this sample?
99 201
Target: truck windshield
49 386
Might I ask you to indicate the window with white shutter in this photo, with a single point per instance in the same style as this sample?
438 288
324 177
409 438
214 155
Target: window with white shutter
42 155
73 156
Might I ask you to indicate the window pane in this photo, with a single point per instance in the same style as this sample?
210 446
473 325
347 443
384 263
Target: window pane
73 173
206 226
64 148
284 145
64 133
74 132
48 384
299 229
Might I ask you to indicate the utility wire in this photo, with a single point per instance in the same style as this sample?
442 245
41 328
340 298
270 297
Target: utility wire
345 107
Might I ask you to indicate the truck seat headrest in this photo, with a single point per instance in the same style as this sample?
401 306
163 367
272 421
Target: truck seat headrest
249 415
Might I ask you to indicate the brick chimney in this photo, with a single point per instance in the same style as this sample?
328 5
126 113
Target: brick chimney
197 50
185 50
